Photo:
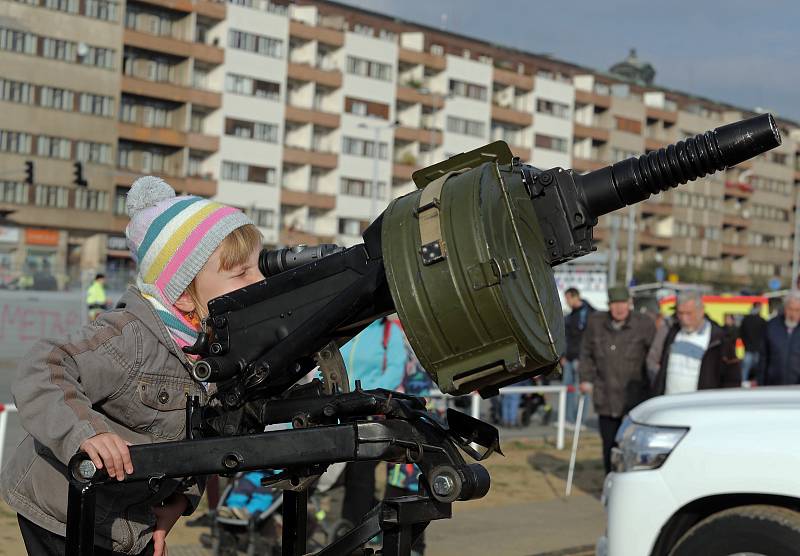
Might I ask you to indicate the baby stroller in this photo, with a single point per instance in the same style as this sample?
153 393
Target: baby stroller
255 526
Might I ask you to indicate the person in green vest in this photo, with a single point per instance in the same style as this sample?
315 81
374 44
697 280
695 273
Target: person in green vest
96 297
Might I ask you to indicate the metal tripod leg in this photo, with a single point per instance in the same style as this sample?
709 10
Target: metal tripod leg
295 522
80 519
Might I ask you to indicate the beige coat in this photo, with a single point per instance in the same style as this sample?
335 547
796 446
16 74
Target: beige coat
123 373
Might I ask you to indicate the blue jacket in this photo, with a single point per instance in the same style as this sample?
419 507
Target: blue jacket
375 365
780 359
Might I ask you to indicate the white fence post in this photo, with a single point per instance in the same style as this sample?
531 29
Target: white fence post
562 416
4 411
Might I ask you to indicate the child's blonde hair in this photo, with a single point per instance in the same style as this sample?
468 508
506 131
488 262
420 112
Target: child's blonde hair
235 250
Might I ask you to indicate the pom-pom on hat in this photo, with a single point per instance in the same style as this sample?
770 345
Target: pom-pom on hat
171 238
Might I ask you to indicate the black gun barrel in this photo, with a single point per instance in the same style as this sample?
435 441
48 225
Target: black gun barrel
635 179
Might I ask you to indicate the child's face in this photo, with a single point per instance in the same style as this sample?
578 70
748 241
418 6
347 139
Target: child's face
212 281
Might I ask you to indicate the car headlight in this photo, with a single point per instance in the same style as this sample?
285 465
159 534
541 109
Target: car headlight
644 446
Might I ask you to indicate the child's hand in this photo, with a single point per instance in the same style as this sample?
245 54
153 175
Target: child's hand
166 517
109 450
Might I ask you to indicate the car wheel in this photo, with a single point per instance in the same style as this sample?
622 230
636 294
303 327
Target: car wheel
752 530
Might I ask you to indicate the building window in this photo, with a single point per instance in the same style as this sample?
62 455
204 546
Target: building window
243 85
69 6
60 99
17 41
628 125
58 49
236 171
361 147
14 192
369 68
361 107
465 126
350 226
125 156
258 44
15 142
362 188
552 108
16 91
468 90
106 10
120 198
51 196
90 199
264 218
98 153
251 130
552 143
97 105
53 147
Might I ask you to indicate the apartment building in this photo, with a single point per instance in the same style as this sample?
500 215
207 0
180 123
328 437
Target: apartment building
59 92
311 116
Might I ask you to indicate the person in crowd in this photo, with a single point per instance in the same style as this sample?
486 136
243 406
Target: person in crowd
96 299
43 278
574 325
697 353
731 328
780 356
124 379
377 358
752 331
612 363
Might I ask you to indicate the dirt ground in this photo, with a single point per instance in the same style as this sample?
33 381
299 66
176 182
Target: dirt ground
531 471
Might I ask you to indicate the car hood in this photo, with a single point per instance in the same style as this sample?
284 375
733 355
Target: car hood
732 403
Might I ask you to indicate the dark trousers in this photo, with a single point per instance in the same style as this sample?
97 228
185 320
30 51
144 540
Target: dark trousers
396 492
41 542
608 430
359 490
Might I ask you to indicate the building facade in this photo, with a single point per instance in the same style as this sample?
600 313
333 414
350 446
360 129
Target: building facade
311 116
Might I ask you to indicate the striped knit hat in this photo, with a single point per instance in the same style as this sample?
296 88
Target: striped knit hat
171 238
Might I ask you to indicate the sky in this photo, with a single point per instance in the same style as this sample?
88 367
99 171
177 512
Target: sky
742 52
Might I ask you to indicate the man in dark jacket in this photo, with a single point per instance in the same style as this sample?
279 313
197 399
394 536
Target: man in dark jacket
781 351
752 332
574 325
697 354
612 363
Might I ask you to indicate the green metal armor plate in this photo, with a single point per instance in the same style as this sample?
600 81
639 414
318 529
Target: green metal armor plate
465 263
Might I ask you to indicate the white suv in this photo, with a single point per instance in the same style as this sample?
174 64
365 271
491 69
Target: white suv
713 473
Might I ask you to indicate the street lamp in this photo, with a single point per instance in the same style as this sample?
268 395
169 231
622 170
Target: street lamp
373 193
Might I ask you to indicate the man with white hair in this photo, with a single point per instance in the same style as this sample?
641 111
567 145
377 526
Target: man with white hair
780 362
697 354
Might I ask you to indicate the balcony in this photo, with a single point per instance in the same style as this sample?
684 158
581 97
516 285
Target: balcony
307 32
214 9
661 114
659 209
175 47
733 221
402 171
586 165
733 250
202 142
524 153
192 185
305 72
738 190
510 115
651 144
418 134
310 116
413 96
319 201
156 135
169 91
591 132
300 157
648 239
299 237
590 97
427 59
511 78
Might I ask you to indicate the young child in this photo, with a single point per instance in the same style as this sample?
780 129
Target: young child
123 379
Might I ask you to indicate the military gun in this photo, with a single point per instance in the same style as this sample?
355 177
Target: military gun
466 262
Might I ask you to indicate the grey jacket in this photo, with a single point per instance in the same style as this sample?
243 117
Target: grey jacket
122 374
614 362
